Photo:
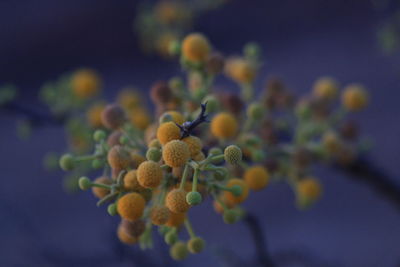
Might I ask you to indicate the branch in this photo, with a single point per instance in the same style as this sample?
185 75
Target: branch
263 257
365 171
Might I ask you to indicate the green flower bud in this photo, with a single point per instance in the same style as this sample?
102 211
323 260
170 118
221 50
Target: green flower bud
153 154
123 140
212 103
99 135
193 198
178 251
67 162
112 209
196 245
252 50
257 156
174 48
233 154
220 174
171 237
230 216
255 111
97 164
84 183
236 190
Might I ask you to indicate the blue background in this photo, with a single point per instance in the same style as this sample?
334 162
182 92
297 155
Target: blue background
41 225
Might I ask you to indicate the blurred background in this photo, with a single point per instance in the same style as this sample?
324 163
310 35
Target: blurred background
41 225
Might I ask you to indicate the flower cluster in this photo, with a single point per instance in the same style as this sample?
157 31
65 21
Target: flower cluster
204 143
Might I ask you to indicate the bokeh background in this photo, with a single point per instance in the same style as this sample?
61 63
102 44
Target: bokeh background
41 225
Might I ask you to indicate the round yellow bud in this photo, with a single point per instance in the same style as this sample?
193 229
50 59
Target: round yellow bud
149 174
140 118
325 88
194 143
224 125
85 83
167 132
256 177
176 201
195 47
131 182
131 206
308 191
160 215
354 97
240 70
176 153
177 117
93 115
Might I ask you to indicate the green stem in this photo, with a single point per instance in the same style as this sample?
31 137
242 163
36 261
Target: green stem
195 179
107 198
184 176
189 228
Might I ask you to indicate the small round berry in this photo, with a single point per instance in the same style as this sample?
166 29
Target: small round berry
149 174
215 63
167 132
255 111
325 88
331 142
178 251
124 237
85 83
84 183
215 151
232 102
176 116
153 154
196 245
199 156
170 238
176 219
99 135
230 216
93 115
176 201
195 47
354 97
97 164
160 215
224 125
154 144
134 228
230 197
67 162
119 158
131 182
256 177
176 153
194 143
310 188
100 192
193 198
233 154
160 92
112 209
128 98
140 118
240 70
114 139
113 116
131 206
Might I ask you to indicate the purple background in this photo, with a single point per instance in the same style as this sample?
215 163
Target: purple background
302 40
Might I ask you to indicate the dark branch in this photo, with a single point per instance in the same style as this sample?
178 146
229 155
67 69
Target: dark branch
188 127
